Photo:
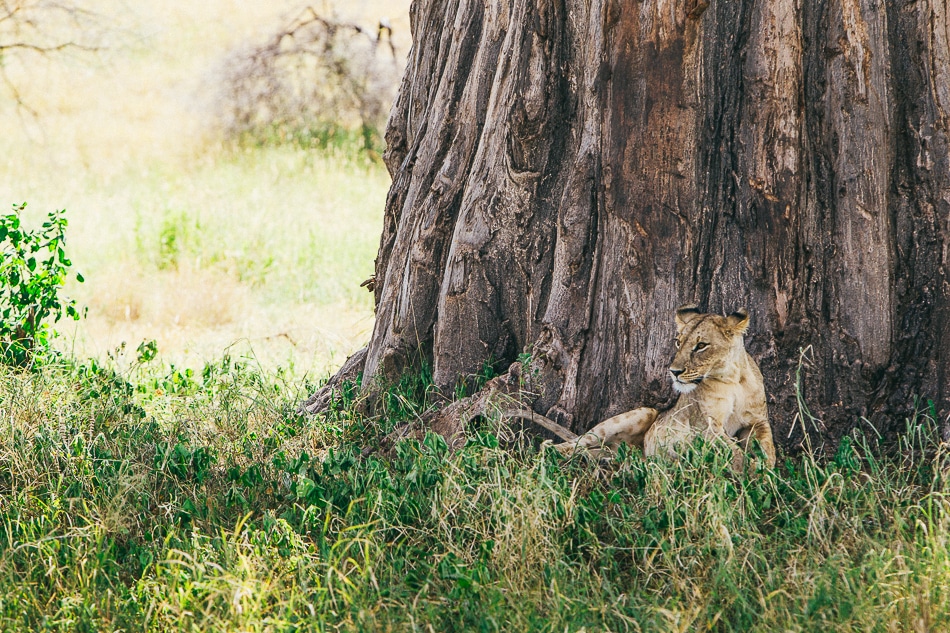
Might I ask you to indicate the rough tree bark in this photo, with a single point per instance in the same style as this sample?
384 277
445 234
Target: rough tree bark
566 173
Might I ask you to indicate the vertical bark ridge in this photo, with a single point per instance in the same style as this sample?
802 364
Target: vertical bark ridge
859 118
483 307
409 116
410 274
566 317
918 34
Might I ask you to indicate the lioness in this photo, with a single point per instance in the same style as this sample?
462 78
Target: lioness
722 397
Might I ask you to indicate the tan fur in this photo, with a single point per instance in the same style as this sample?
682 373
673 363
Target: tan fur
722 396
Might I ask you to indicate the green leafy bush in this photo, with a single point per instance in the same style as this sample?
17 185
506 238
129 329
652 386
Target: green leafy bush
33 269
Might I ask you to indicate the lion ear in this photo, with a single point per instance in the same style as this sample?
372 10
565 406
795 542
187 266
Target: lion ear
738 321
685 315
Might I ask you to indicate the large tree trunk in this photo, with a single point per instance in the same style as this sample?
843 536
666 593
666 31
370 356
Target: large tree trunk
565 174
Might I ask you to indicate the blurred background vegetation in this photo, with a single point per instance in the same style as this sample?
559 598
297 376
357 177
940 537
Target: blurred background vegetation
219 163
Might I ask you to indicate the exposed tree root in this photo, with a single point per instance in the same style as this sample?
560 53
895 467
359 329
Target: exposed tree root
324 397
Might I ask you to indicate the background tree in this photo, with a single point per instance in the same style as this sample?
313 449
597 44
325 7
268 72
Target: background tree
315 78
566 173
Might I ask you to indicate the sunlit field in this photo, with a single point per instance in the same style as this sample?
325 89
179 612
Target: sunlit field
182 238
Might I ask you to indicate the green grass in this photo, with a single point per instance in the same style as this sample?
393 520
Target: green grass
266 247
154 499
313 213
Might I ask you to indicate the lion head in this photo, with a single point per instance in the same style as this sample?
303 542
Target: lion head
707 346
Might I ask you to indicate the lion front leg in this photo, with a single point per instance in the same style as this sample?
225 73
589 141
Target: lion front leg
626 428
762 432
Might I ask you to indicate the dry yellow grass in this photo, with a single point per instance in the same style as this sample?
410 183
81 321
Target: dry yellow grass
180 240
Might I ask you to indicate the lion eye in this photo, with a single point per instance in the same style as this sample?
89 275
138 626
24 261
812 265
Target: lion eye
700 346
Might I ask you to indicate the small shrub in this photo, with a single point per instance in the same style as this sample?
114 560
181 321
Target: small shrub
179 237
33 269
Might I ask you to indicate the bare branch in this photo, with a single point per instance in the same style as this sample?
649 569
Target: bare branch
46 28
48 49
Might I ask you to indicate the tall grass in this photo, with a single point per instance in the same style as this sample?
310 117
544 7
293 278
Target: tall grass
154 499
266 249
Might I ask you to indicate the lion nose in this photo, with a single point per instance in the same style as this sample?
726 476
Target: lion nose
676 372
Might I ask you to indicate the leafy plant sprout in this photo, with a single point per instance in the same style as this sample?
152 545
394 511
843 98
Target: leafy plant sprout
33 269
